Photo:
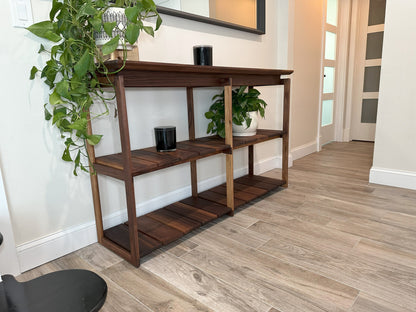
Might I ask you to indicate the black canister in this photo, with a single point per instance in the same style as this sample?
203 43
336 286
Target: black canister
203 55
165 138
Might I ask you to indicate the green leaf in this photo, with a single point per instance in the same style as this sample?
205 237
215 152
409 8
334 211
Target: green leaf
96 23
261 110
94 139
149 4
210 127
132 33
254 92
241 90
48 115
119 3
50 70
86 10
58 114
55 99
77 162
108 28
149 30
83 64
132 13
55 50
45 30
62 88
69 142
41 49
221 132
63 125
209 115
56 6
158 22
79 124
66 155
110 46
33 72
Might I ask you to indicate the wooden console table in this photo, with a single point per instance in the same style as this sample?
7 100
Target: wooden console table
140 236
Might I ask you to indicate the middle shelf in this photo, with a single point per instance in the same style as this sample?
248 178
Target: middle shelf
148 159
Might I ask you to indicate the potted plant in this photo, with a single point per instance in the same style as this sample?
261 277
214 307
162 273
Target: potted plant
76 61
245 108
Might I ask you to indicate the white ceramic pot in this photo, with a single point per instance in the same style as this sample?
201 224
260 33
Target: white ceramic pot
117 15
243 130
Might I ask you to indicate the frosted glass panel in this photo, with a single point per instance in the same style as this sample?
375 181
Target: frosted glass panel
377 12
327 112
329 79
372 79
369 111
330 45
374 45
332 12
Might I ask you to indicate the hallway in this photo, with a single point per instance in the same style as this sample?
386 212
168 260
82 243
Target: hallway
330 242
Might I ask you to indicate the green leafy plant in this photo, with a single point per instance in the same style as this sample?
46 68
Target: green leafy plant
76 63
243 102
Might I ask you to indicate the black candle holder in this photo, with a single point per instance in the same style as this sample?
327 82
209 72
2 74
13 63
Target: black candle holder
165 138
203 55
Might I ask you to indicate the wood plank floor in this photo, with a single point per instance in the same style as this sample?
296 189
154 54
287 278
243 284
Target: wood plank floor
330 242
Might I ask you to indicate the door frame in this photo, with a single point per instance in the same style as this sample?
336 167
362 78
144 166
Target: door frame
354 57
343 81
8 248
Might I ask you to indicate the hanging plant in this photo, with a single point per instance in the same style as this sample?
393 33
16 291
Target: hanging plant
75 63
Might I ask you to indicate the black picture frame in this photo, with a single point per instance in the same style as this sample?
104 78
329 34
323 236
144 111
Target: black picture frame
261 18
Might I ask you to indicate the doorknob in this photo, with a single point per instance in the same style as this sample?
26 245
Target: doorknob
1 238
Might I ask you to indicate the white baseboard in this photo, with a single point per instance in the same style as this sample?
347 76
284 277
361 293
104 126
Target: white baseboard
56 245
304 150
396 178
59 244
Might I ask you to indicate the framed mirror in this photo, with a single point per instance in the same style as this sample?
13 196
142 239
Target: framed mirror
245 15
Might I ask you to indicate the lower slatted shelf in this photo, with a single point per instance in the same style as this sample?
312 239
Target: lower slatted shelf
168 224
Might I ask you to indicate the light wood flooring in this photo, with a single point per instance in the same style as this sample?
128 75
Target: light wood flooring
330 242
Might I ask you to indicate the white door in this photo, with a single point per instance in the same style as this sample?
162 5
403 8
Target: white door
367 69
8 257
329 71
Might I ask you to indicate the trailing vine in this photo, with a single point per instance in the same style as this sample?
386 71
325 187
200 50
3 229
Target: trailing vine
76 62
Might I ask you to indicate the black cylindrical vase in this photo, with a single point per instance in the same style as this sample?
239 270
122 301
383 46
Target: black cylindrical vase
203 55
165 138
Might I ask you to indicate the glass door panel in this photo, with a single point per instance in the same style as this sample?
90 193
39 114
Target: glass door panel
330 46
332 12
329 80
327 112
329 70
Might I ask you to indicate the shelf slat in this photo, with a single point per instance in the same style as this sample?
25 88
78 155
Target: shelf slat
168 224
193 213
148 159
262 135
177 221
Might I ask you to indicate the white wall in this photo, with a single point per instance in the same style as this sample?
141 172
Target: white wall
395 144
305 48
47 203
8 256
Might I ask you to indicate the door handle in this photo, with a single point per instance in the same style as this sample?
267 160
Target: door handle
1 239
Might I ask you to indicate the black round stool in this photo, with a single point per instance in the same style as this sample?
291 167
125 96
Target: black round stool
62 291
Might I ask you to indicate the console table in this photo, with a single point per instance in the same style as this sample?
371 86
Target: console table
140 236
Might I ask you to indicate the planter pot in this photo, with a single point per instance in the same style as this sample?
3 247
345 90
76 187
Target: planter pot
117 15
243 130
